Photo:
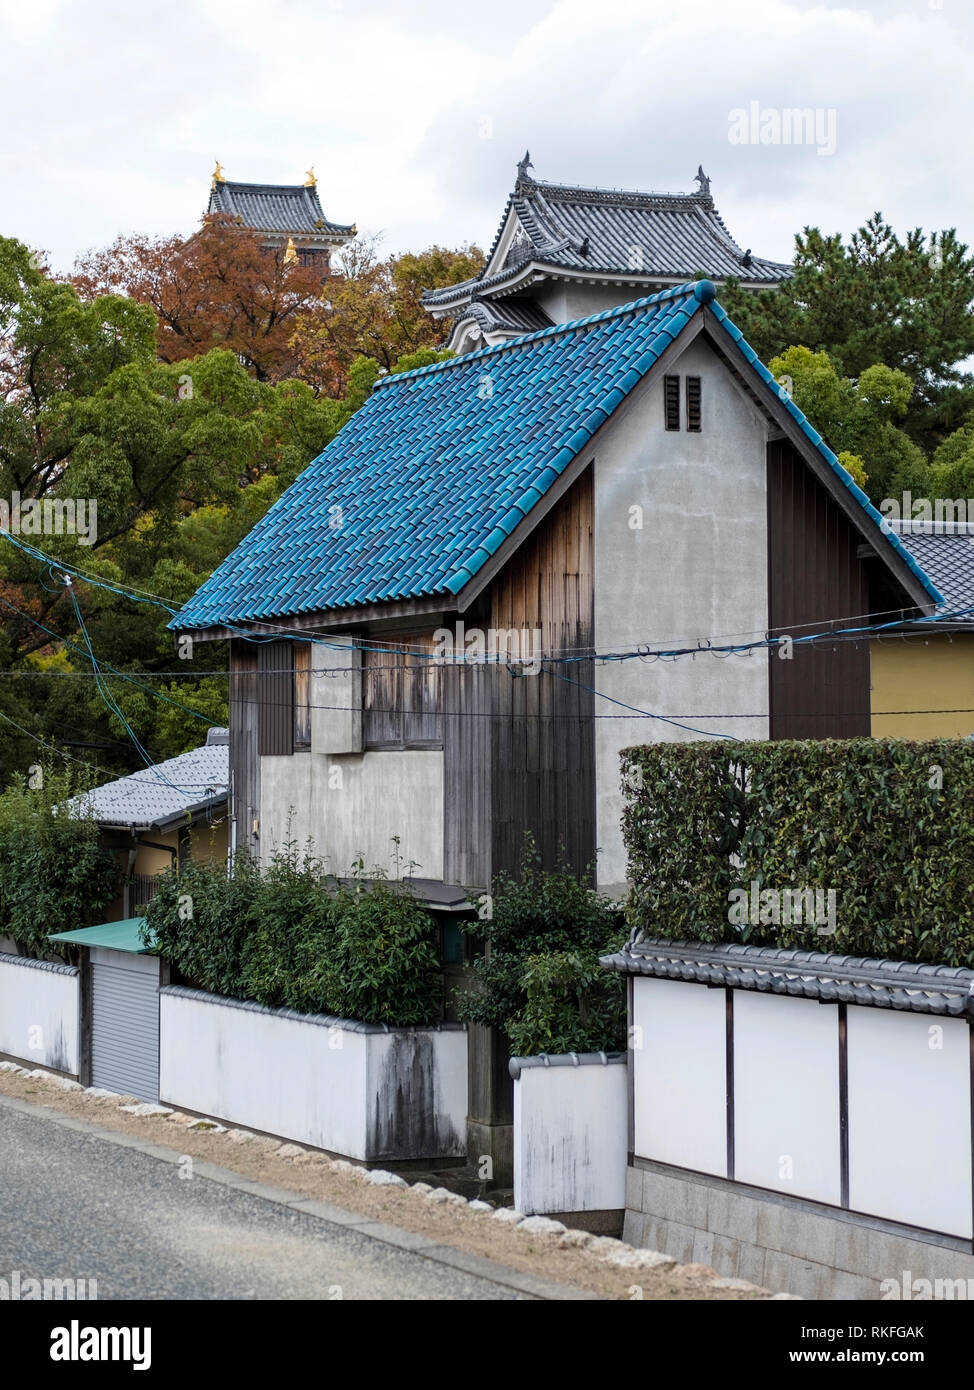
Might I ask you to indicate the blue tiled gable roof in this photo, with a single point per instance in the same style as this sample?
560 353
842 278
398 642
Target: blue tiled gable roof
438 468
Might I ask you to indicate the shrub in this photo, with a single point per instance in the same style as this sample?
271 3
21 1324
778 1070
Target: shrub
293 918
295 936
386 963
539 980
55 874
571 1005
202 916
888 825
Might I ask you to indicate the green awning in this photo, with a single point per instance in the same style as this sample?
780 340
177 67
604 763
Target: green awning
114 936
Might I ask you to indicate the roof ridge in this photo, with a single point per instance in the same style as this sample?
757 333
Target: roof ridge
269 187
697 198
690 288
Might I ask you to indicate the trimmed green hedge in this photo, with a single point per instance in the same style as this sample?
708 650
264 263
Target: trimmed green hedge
888 825
296 937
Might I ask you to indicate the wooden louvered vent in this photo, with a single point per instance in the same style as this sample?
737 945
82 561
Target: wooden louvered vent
693 403
671 401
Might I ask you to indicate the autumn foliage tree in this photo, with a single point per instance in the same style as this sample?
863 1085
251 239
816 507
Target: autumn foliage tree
219 288
374 309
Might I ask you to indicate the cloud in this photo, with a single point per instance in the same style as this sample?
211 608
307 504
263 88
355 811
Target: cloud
414 115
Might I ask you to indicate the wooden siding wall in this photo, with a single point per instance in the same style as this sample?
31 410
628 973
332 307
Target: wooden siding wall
814 576
275 678
466 773
542 735
244 759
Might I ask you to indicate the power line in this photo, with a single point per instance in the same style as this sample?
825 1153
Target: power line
144 596
537 714
122 675
94 767
108 698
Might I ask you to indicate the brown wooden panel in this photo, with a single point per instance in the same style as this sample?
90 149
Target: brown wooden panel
467 774
301 656
542 732
275 693
244 761
816 584
402 698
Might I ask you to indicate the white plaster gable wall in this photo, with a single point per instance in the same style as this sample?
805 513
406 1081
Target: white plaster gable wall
566 300
696 569
351 805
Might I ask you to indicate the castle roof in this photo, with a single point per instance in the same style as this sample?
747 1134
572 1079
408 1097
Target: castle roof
287 209
591 232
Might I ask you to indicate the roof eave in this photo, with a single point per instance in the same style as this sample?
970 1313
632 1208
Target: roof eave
535 269
194 812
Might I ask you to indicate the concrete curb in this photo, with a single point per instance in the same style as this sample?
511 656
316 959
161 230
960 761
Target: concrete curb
410 1241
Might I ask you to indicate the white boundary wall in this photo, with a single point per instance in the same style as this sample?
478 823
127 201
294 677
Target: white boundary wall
350 1088
909 1081
570 1133
39 1012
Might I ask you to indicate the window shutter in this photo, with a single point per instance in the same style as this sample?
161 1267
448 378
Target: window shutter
693 403
671 401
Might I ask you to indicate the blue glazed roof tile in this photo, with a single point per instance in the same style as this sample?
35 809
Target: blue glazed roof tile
437 470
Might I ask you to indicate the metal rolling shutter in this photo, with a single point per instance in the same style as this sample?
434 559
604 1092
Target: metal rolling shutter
125 1023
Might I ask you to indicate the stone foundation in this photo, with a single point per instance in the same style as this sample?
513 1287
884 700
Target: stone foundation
783 1243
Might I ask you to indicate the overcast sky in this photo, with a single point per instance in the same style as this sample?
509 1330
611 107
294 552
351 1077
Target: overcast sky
414 112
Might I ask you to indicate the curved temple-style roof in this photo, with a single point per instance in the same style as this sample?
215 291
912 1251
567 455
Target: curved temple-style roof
603 231
438 469
288 209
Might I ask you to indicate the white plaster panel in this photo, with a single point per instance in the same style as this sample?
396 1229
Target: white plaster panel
786 1095
570 1138
679 1066
910 1118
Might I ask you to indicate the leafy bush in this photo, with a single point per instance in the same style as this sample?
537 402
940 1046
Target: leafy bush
386 965
888 825
293 915
571 1005
539 979
201 918
295 936
55 874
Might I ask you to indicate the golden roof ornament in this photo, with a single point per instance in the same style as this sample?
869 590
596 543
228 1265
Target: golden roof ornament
310 181
290 255
218 175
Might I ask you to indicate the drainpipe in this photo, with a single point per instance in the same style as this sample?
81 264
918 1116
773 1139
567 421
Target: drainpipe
133 853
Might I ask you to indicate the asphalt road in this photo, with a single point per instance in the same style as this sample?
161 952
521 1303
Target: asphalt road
73 1205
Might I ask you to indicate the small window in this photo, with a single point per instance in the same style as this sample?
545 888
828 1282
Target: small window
671 401
693 404
302 695
401 690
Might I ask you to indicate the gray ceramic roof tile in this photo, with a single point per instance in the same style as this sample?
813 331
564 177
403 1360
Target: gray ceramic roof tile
511 315
946 554
193 782
829 978
267 207
613 231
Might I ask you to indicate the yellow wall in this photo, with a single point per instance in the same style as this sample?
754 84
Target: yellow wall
922 673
